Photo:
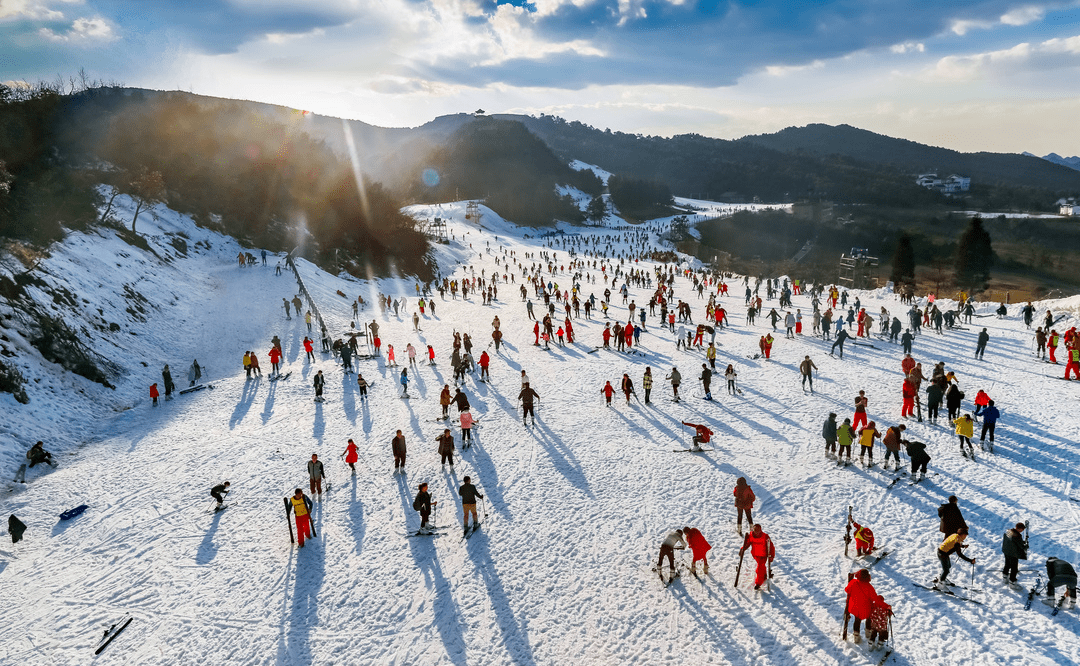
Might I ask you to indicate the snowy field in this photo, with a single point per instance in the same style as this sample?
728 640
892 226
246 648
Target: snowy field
577 505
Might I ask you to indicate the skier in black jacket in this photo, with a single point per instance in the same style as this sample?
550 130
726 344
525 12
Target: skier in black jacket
461 400
423 504
980 346
1060 572
219 492
469 493
952 521
1014 549
919 458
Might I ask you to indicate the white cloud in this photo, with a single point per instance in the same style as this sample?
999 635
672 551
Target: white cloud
1023 15
82 30
1051 54
963 26
908 47
37 10
784 70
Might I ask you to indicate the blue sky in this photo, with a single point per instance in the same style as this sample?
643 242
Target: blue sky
970 75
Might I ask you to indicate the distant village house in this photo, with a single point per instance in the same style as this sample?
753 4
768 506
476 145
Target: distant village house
947 186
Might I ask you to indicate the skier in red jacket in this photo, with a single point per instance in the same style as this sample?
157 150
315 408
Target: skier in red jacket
703 436
860 599
699 547
908 390
762 549
608 391
275 359
485 360
536 332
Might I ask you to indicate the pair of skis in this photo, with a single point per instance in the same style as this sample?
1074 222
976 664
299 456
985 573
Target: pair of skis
949 592
311 523
112 632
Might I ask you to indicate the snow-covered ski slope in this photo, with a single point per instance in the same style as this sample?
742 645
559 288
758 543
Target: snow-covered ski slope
576 505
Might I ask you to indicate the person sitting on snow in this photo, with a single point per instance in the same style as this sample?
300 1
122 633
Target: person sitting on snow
37 454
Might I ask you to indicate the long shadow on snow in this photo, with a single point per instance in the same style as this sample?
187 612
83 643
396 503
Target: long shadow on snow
348 400
268 405
207 548
487 473
445 611
562 457
247 397
302 613
718 634
515 634
318 427
356 515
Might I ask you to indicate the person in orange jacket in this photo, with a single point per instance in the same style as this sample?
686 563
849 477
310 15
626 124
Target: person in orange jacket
763 551
154 393
608 391
860 599
744 502
699 548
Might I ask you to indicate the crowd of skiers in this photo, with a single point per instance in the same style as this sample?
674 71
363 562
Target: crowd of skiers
830 317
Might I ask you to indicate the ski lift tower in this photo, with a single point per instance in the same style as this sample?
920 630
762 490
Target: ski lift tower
472 212
858 270
436 230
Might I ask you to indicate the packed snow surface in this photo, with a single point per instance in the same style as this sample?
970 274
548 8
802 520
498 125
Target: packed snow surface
576 506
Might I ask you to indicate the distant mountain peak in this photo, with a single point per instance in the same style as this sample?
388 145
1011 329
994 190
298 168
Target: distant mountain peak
1071 162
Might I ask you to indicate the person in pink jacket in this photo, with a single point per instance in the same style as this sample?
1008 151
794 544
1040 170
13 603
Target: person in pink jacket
466 429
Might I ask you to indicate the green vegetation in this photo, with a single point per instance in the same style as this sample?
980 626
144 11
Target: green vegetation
261 180
503 163
640 199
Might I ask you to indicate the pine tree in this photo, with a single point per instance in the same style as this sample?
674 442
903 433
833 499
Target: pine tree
974 256
903 266
596 210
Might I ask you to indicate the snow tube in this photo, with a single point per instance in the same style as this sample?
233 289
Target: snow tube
72 513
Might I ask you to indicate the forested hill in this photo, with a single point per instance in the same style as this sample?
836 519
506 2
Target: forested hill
996 168
691 164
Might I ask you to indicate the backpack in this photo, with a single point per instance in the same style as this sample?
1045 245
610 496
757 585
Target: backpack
416 503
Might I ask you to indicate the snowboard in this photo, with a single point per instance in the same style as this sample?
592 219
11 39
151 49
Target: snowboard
72 513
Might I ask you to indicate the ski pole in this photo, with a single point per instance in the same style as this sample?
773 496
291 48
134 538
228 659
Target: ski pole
973 574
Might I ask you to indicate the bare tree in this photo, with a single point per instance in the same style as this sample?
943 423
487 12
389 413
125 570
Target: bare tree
112 193
148 190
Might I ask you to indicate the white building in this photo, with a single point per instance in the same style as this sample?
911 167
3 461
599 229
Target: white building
1070 209
956 183
950 185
